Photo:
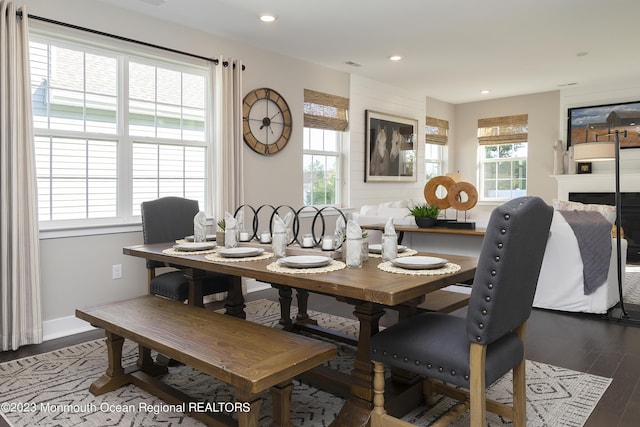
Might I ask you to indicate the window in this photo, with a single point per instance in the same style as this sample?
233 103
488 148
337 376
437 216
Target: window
433 160
113 129
503 157
325 120
436 138
321 166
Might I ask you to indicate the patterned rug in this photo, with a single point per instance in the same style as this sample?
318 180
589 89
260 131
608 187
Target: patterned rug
52 389
632 284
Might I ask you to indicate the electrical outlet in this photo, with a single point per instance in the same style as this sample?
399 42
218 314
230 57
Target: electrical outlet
116 271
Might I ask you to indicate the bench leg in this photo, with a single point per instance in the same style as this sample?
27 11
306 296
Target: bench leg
281 398
249 418
115 376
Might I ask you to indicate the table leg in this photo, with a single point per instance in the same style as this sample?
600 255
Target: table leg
195 277
234 305
302 295
147 365
285 293
115 376
357 409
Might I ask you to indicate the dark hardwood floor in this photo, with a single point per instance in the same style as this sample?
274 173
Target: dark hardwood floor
582 342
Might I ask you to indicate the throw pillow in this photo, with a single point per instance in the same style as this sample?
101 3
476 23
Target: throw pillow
609 212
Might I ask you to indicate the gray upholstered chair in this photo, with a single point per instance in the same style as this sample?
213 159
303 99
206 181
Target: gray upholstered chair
473 353
166 220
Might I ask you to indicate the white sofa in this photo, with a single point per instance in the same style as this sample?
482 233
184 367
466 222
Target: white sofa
561 281
380 214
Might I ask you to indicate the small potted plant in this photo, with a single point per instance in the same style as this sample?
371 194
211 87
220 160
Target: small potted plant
425 215
220 233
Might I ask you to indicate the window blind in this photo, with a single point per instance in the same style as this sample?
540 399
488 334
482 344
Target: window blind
436 131
503 130
325 111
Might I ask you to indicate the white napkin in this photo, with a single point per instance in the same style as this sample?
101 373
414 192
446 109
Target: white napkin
339 233
200 227
353 245
230 231
389 241
281 229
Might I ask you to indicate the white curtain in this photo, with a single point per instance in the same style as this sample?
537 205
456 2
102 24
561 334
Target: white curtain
20 310
229 183
228 159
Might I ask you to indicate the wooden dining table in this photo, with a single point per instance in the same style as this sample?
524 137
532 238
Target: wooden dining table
369 289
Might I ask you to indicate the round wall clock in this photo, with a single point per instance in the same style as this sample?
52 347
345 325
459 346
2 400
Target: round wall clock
266 121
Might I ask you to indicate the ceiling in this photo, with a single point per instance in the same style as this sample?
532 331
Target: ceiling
451 49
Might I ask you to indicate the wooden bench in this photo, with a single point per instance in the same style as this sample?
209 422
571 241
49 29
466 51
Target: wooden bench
245 355
443 301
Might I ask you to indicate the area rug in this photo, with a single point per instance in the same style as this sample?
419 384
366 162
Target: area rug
52 389
632 284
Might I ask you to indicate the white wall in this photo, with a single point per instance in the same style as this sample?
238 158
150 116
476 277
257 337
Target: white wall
365 95
445 111
543 111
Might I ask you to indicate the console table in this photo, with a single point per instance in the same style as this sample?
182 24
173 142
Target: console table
438 239
434 230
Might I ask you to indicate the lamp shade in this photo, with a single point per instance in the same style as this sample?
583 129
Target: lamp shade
594 151
456 176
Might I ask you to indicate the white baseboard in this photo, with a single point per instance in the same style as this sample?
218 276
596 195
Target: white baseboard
253 285
65 326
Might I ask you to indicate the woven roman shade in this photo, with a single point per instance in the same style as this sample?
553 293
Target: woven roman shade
325 111
436 131
503 130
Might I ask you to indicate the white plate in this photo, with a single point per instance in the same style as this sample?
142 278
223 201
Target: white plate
419 262
376 248
193 246
240 252
208 237
305 261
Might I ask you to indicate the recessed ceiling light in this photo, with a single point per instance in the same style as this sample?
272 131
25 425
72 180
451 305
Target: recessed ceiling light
267 18
485 91
395 57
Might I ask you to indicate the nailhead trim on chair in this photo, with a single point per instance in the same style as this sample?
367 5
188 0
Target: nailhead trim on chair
494 272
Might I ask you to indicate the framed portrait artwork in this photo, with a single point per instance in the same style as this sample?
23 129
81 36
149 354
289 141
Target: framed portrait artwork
599 123
390 148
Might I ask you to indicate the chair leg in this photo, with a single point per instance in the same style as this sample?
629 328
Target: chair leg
378 395
519 395
379 417
477 384
520 386
428 393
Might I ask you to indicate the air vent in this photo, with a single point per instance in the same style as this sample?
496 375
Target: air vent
353 64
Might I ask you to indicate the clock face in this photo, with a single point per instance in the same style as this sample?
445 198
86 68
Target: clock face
266 121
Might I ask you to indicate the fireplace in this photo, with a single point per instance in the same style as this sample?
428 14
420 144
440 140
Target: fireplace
630 223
